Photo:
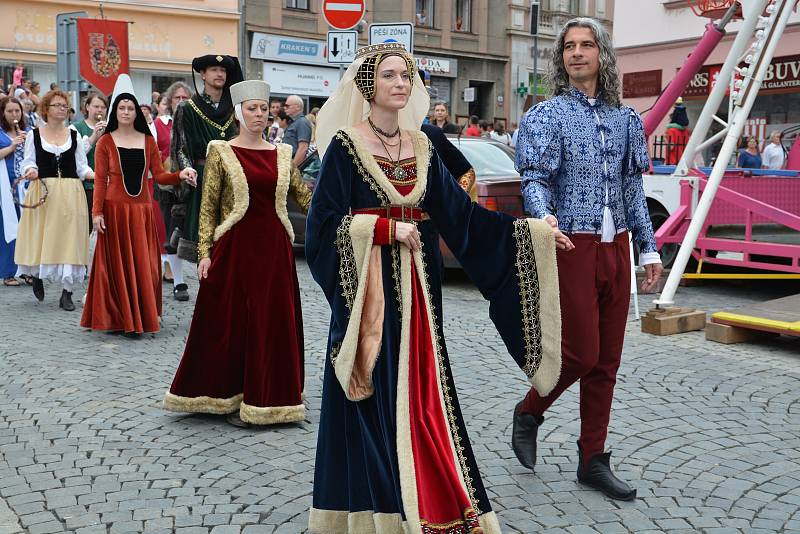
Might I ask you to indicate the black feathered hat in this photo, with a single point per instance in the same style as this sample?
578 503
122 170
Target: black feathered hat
234 75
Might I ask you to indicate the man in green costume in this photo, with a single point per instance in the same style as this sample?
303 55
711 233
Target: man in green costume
207 116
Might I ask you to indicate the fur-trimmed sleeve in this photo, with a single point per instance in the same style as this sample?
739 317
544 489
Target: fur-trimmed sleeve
213 177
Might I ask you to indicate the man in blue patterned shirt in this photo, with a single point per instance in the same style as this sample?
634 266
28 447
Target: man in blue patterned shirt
581 156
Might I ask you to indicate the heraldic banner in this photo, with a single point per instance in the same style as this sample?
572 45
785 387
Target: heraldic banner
103 51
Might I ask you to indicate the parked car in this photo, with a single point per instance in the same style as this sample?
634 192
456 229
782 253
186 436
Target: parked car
497 184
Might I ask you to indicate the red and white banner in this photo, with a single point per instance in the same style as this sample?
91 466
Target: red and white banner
103 52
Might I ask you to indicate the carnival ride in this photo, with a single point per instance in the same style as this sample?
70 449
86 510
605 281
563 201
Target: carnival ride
763 205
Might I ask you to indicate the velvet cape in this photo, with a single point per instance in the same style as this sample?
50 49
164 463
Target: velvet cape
364 478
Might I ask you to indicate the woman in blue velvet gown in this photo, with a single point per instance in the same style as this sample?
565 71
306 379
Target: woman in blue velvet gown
393 455
12 145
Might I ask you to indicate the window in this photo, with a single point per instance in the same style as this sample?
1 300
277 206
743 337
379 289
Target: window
424 13
463 13
297 4
600 8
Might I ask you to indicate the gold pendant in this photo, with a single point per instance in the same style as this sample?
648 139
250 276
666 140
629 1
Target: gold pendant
222 134
399 172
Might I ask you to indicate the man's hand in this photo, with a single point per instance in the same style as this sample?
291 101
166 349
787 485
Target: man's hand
652 272
562 241
189 176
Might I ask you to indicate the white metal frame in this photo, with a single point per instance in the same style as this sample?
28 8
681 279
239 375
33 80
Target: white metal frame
766 30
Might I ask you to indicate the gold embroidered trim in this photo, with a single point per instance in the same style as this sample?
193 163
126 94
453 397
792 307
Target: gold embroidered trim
335 352
448 398
348 274
529 297
365 175
208 121
396 276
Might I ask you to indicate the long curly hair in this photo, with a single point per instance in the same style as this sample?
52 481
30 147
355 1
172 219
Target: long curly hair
608 78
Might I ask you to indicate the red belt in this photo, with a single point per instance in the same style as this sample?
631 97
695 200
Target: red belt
398 213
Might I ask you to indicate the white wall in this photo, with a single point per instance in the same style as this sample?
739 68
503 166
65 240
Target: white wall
648 22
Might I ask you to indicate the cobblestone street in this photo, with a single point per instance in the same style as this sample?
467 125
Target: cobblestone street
709 434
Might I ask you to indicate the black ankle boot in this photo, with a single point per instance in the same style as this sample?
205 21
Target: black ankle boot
65 303
597 475
523 436
38 289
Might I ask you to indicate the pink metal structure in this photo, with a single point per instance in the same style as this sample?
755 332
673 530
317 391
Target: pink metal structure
694 62
780 206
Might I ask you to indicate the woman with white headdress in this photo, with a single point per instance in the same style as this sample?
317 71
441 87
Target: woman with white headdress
124 292
393 456
245 348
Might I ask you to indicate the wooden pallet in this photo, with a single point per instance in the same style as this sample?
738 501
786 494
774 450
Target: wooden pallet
779 316
672 320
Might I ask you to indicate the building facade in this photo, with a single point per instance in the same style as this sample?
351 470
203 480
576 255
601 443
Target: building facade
650 55
553 14
164 36
458 42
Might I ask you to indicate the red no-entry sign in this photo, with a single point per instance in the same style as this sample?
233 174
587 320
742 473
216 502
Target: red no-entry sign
342 14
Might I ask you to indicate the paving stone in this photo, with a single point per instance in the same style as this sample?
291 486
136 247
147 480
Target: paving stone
708 435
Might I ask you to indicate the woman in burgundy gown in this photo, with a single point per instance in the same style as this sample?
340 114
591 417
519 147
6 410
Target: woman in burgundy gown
245 347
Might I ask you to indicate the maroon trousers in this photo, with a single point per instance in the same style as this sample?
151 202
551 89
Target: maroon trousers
595 281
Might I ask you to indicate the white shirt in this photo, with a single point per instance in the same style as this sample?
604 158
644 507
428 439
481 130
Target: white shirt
504 138
773 156
84 139
29 160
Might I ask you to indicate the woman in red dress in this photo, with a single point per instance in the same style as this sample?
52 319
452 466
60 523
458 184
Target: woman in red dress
245 348
125 283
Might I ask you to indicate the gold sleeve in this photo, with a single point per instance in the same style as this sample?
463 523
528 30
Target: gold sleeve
467 181
299 190
213 176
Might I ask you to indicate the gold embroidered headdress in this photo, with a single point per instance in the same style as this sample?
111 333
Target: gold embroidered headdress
373 55
349 103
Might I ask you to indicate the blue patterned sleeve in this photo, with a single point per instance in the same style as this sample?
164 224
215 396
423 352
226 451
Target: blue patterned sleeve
637 162
538 159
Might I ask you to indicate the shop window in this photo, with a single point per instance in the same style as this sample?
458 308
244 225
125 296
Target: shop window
463 13
160 83
424 13
296 4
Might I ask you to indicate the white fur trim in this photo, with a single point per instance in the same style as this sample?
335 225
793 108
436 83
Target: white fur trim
362 230
343 522
282 189
421 274
422 152
368 522
271 415
176 403
405 454
544 251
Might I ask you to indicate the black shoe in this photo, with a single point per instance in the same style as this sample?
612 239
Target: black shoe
38 289
597 475
181 292
65 303
132 335
523 437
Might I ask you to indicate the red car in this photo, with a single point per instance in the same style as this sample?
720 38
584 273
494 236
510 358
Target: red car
498 182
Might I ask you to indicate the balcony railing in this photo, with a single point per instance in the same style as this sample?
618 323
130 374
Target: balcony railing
551 22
